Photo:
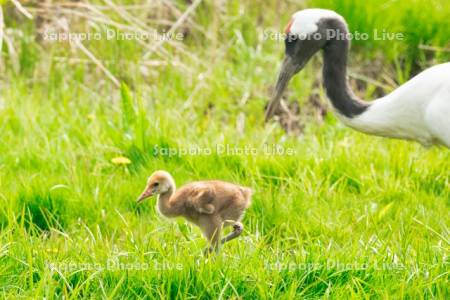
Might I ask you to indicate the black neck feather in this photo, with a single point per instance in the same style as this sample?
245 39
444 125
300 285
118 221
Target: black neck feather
335 74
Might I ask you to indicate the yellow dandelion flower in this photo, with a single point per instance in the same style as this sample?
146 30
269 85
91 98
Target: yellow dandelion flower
121 160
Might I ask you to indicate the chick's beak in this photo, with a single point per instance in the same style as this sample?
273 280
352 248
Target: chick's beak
146 194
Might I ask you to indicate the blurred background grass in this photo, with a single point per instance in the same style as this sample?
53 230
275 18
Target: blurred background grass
342 198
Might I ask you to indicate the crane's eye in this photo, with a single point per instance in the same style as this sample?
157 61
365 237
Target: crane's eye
156 184
291 44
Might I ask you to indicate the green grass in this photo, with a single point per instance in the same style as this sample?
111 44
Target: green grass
346 216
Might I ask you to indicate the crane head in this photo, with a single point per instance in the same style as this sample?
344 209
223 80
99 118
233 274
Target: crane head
306 33
158 183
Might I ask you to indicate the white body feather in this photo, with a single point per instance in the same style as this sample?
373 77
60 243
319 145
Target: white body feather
418 110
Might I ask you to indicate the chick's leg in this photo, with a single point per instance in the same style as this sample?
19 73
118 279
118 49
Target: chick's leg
211 228
237 230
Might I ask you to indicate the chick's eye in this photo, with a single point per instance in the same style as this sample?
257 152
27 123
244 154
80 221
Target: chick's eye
155 184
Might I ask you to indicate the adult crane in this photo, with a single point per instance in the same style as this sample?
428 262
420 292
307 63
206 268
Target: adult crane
418 110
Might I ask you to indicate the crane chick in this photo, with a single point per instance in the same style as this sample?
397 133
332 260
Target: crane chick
211 204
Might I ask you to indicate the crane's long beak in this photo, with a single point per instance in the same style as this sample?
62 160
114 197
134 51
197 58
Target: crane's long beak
146 194
288 69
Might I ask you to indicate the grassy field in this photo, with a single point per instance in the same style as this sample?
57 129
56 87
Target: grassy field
335 213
